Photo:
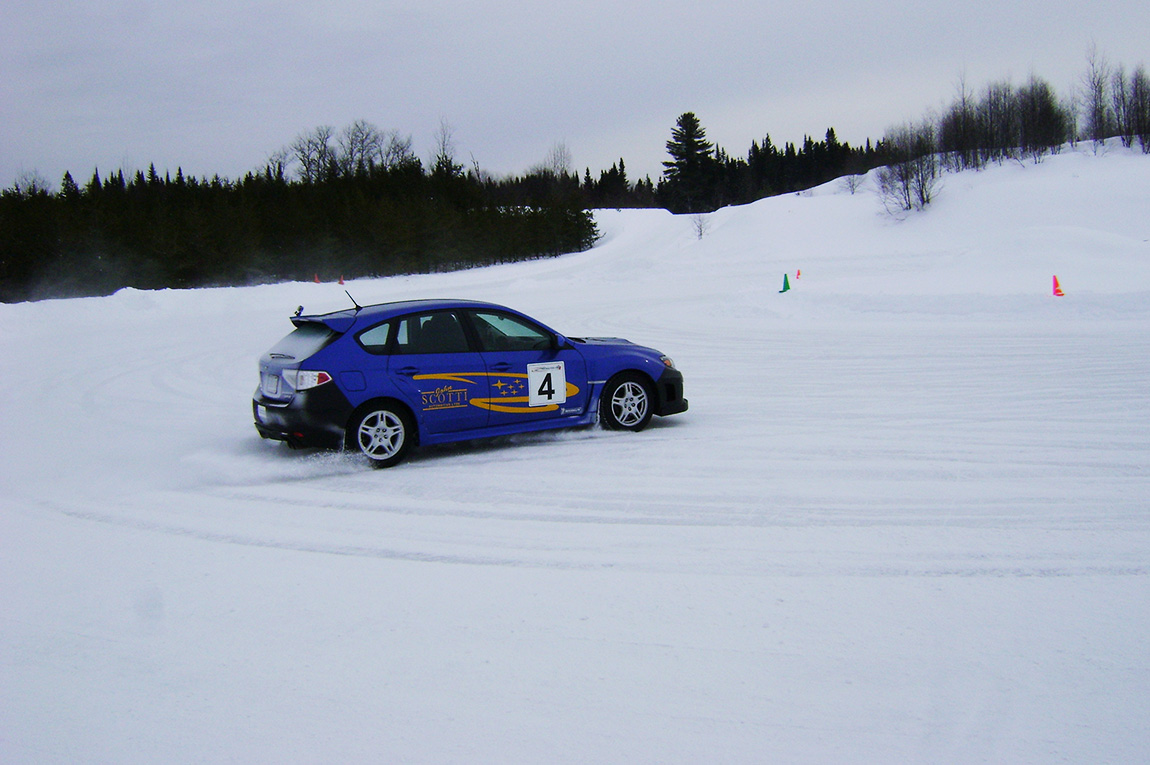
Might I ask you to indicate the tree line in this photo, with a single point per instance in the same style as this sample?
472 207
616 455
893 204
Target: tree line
359 202
1001 122
701 177
355 202
1004 122
364 206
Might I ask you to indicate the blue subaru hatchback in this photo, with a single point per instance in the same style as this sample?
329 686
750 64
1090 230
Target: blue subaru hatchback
380 379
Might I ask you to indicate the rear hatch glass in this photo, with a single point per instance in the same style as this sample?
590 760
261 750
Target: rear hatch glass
305 341
286 356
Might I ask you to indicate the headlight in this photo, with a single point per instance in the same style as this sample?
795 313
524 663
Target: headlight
667 361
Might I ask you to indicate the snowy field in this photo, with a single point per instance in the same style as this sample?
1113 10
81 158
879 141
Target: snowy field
906 519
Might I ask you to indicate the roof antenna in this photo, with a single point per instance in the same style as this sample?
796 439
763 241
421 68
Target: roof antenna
358 307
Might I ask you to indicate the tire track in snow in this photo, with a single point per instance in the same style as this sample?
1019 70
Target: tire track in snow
655 547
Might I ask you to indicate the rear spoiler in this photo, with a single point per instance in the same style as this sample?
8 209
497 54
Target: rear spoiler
338 322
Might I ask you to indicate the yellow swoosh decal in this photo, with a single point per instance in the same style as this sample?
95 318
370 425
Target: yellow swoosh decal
497 404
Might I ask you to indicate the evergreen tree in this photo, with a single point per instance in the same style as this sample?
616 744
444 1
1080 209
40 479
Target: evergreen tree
689 176
68 189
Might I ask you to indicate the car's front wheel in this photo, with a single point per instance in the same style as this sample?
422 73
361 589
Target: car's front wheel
625 403
382 433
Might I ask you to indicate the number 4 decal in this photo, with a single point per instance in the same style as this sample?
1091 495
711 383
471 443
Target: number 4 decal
547 383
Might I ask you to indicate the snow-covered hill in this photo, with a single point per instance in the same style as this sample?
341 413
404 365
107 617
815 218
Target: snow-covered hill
907 518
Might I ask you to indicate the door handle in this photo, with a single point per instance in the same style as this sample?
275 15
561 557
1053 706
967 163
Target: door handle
408 371
502 366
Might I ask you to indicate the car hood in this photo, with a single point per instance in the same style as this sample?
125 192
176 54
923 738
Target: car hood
600 340
612 345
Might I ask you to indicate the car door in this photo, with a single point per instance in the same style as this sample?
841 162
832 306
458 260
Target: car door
531 378
441 375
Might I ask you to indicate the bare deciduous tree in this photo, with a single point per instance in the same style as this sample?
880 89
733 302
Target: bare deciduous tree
1140 106
30 183
314 153
397 151
443 164
958 132
557 163
1120 105
911 180
999 122
852 183
278 161
1095 84
360 147
1043 124
701 224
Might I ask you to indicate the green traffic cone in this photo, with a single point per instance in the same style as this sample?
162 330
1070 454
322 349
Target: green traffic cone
786 284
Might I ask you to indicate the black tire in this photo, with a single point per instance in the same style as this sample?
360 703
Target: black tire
626 403
383 433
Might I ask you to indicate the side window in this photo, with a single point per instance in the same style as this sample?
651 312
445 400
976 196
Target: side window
437 332
374 340
500 332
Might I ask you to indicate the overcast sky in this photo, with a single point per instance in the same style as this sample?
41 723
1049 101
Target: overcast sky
216 86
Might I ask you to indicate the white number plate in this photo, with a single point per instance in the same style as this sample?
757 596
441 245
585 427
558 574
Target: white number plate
546 383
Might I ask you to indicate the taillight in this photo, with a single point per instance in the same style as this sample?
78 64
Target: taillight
302 379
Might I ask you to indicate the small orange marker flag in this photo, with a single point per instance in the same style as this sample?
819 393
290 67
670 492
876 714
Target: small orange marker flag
1058 288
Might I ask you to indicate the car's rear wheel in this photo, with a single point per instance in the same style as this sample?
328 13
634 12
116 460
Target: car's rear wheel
382 433
625 403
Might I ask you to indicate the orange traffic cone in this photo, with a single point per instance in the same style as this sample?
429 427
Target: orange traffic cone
341 278
1058 288
798 274
317 278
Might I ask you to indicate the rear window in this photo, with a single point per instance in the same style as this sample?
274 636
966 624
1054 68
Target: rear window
375 340
306 340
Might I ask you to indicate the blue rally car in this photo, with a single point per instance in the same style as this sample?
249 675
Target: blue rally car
383 378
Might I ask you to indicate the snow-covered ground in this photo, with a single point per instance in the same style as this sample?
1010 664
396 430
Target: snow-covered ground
906 519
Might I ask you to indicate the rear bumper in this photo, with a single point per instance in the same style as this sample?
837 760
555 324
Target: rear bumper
315 418
669 393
